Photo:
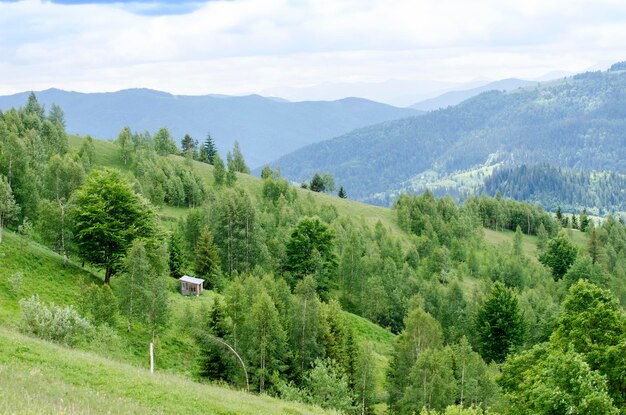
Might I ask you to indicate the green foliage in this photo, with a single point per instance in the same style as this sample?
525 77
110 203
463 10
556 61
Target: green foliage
545 380
108 215
499 324
219 172
125 145
593 324
310 251
214 361
189 147
559 255
207 257
177 251
53 323
317 183
342 193
327 387
144 295
8 207
236 160
431 382
99 304
164 142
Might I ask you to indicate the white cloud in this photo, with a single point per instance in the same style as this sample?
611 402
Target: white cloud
249 45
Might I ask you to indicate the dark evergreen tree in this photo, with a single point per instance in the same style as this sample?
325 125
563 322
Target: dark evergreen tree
214 361
317 183
177 259
342 193
499 324
207 257
210 150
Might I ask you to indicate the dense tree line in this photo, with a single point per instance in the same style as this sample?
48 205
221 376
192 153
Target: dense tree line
559 187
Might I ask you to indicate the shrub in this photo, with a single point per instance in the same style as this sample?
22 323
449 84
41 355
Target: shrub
54 323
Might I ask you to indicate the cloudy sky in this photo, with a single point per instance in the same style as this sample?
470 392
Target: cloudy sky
255 46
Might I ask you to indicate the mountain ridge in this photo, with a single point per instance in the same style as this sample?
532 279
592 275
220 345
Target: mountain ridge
265 127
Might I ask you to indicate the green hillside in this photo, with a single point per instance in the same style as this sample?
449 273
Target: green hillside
318 299
39 377
574 123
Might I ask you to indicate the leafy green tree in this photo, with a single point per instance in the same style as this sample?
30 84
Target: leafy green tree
231 173
100 305
265 343
87 153
499 324
542 237
422 332
517 243
125 145
474 383
593 324
33 107
559 255
108 215
207 257
327 387
164 142
137 269
584 268
57 115
156 290
219 173
431 382
310 236
63 176
189 146
237 161
365 379
306 329
8 207
547 381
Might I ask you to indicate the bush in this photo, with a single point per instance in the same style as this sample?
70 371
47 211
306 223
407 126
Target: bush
54 323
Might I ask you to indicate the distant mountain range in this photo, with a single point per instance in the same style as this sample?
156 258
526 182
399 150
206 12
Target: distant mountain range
577 122
456 97
266 128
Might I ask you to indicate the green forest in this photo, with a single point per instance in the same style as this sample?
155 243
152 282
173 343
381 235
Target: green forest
491 306
570 123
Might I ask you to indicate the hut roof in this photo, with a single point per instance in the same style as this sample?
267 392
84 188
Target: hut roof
192 280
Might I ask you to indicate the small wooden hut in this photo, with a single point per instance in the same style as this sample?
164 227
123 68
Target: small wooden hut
190 285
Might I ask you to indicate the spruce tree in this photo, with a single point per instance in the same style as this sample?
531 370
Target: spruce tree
210 149
342 192
177 259
214 362
499 324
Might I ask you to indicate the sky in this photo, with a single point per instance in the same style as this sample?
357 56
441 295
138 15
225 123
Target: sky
259 46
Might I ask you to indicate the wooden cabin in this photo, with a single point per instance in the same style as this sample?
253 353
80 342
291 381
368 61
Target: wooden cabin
190 285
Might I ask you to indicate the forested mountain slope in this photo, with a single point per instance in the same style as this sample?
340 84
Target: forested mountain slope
326 301
577 122
266 128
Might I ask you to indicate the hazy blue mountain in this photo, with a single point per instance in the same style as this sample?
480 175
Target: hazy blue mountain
265 127
577 122
455 97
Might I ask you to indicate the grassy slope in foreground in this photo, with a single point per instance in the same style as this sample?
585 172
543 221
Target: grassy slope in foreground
39 377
